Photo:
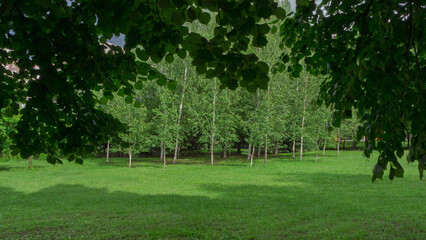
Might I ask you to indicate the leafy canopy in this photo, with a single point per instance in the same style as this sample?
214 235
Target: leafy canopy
373 54
62 51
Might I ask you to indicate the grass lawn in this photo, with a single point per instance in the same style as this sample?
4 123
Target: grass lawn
284 199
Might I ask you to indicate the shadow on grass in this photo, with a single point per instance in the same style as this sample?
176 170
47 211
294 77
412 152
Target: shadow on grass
234 160
302 207
4 169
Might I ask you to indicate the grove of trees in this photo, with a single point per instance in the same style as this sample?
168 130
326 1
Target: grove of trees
259 67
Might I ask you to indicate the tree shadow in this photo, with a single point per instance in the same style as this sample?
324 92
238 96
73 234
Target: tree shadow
5 168
299 206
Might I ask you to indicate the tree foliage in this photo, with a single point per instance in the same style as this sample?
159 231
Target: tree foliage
373 54
61 50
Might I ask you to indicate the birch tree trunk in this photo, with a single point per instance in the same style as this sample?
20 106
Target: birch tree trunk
180 116
258 152
338 142
161 151
107 153
249 152
316 157
251 156
130 137
317 144
294 147
213 125
323 148
303 119
164 154
266 149
130 156
30 162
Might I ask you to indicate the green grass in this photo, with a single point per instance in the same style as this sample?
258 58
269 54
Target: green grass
285 199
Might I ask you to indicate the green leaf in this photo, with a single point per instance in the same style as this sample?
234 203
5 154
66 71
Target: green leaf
263 67
274 29
142 55
177 18
249 74
171 85
192 15
181 53
298 67
128 99
121 92
162 81
280 13
103 100
169 58
138 85
378 172
204 18
137 104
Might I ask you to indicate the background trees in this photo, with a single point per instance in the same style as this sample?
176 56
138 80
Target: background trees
62 52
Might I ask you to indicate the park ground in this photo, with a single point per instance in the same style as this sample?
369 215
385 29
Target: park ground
286 198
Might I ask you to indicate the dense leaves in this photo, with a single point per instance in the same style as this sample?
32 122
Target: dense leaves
62 52
373 54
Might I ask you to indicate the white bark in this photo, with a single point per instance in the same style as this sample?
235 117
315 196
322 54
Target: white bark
180 116
323 149
251 156
266 148
317 145
130 156
164 154
303 119
107 153
213 125
338 142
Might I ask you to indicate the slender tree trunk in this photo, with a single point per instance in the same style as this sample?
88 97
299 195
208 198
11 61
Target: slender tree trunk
303 119
294 147
276 150
224 153
323 148
338 142
249 152
130 137
213 125
30 162
316 157
180 116
251 156
161 151
317 144
107 153
130 156
258 152
164 154
179 149
266 149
